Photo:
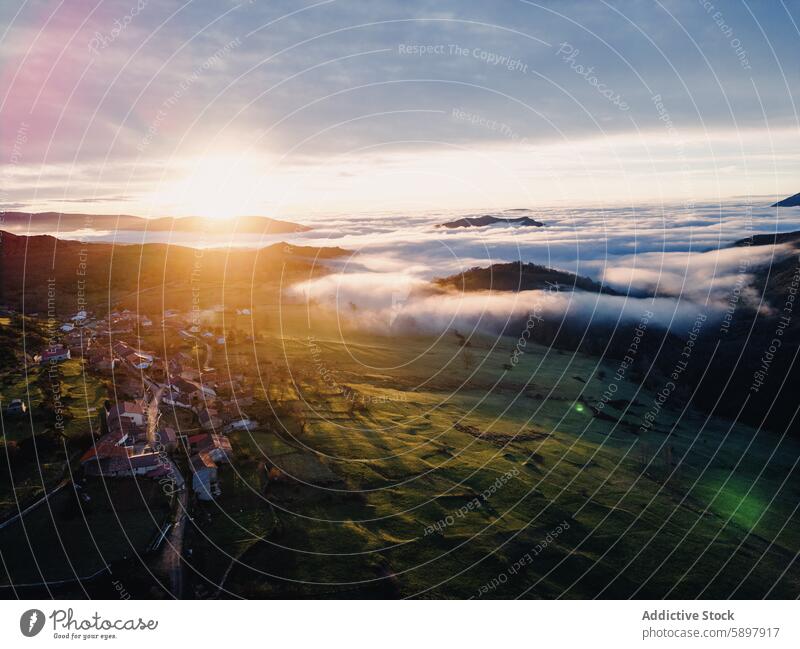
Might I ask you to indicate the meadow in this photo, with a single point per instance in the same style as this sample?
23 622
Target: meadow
418 466
391 465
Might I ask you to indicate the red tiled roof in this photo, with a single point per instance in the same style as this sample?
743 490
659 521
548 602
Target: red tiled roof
104 449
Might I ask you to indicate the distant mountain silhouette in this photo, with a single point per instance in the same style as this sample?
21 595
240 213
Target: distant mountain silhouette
792 201
488 219
772 239
49 222
518 276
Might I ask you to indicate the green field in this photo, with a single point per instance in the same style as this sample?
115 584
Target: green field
30 467
379 504
73 536
416 466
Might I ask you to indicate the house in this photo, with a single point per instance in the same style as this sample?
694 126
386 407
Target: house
228 388
167 438
122 349
139 360
125 431
121 453
78 341
115 461
100 362
183 392
218 446
145 462
204 476
53 354
189 390
183 358
16 407
132 410
241 423
208 451
106 457
190 374
158 369
209 419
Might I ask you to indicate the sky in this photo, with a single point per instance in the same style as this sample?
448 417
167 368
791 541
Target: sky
307 109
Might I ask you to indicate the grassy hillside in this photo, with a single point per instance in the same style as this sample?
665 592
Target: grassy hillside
390 440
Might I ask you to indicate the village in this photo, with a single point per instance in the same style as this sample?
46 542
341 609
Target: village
164 408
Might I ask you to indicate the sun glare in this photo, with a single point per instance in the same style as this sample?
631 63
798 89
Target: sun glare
218 186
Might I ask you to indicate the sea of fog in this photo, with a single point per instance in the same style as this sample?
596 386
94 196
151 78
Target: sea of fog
585 241
679 252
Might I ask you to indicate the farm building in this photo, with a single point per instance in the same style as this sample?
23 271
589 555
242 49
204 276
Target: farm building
132 410
204 476
53 354
16 407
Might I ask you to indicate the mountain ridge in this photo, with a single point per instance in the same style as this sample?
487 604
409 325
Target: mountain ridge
488 219
48 222
789 201
519 276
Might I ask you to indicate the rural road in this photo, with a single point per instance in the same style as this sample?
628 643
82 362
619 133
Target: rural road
152 412
209 356
172 559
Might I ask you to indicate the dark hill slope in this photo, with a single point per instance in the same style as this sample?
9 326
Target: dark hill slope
791 201
488 219
30 267
518 276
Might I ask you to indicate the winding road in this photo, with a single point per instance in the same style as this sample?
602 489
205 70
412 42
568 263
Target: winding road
172 559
